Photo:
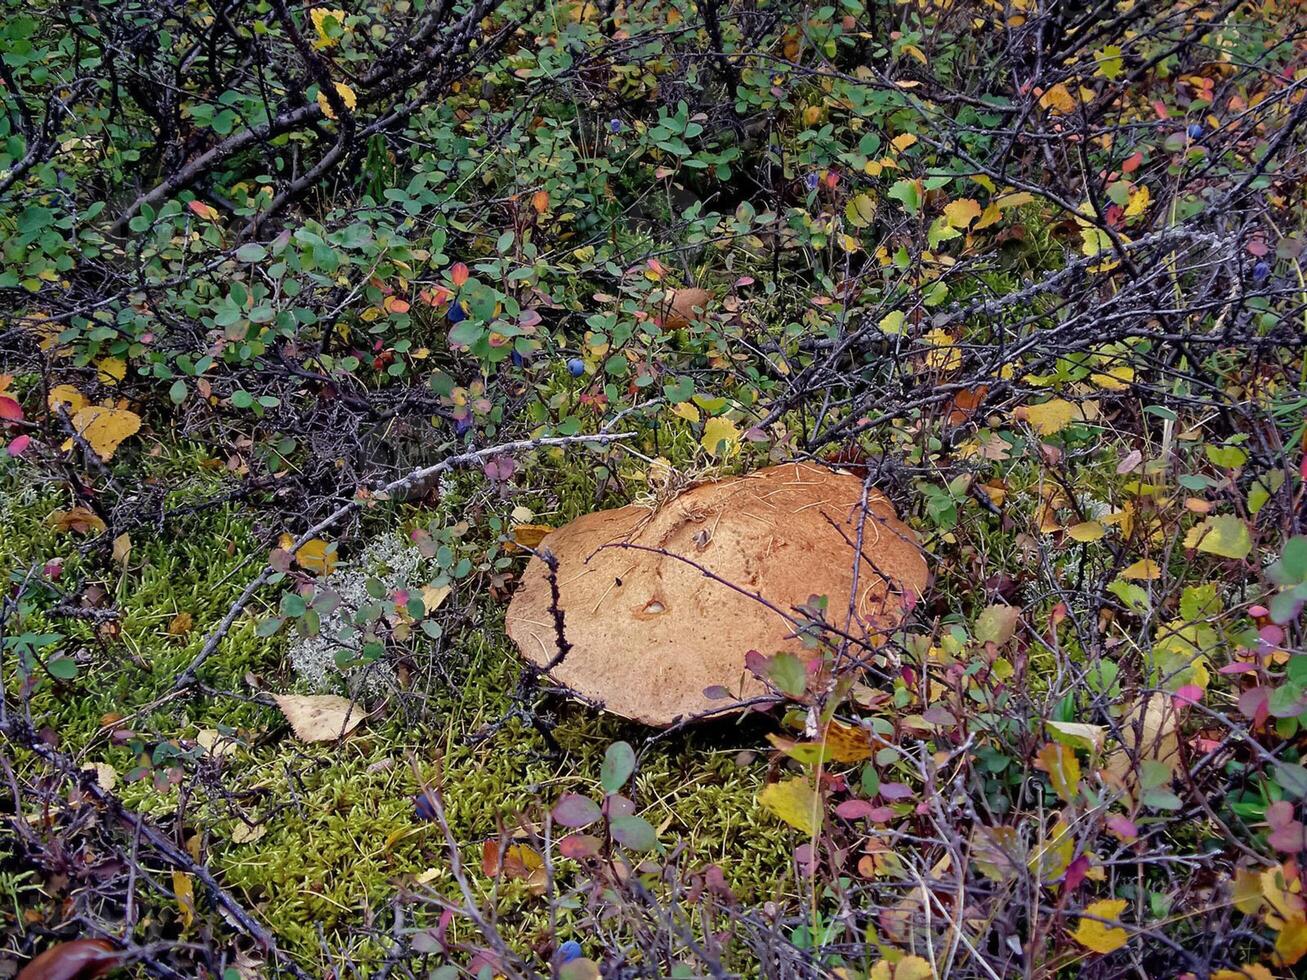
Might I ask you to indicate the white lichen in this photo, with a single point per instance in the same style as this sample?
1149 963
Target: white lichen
394 562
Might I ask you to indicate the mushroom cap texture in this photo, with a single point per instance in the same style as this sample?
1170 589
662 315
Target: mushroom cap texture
650 632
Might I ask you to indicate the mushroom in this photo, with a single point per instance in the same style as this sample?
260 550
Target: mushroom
661 604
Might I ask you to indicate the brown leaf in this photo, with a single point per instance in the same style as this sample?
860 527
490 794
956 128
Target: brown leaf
677 308
80 519
80 959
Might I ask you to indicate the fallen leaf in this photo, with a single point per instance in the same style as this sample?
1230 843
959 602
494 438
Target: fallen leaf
907 968
247 833
106 776
433 596
317 556
962 212
80 959
795 802
1149 732
180 625
320 717
1049 417
1058 99
111 370
1102 937
529 535
67 396
104 428
678 307
721 436
122 548
185 891
79 519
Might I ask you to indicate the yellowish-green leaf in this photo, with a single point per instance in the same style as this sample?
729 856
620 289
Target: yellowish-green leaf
721 436
795 802
1107 936
1224 535
185 892
317 556
686 410
892 322
1145 569
1085 531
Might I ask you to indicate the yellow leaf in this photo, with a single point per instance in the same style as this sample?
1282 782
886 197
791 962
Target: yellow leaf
1063 769
892 322
245 833
69 397
1144 569
1249 971
111 370
907 968
185 892
902 141
434 596
530 535
721 437
1224 535
316 556
347 96
122 547
943 354
1139 200
104 428
1058 99
1102 937
795 802
1049 417
1115 378
1291 943
320 717
1077 734
1086 531
686 410
319 17
1149 732
962 212
1246 891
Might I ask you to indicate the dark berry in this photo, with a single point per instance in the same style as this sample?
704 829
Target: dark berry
456 313
424 807
568 951
575 367
1195 131
1261 272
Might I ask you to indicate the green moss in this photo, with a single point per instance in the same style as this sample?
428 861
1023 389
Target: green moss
339 833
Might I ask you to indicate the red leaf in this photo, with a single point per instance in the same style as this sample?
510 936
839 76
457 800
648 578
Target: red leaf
577 846
10 409
19 445
459 273
80 959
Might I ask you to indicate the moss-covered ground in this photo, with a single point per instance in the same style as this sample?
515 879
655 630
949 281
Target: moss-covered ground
318 839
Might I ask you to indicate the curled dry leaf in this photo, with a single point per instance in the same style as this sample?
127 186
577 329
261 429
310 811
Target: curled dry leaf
80 519
320 717
80 959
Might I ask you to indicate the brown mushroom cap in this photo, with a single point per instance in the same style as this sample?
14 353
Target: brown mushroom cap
650 632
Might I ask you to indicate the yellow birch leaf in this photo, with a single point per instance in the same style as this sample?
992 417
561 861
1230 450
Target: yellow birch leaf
1058 99
943 354
104 428
1291 943
686 410
1102 937
69 397
316 556
1144 569
111 370
962 212
1049 417
1139 200
1086 531
346 94
1249 971
434 596
319 17
795 802
892 322
721 437
530 535
1116 378
1063 769
185 892
1224 535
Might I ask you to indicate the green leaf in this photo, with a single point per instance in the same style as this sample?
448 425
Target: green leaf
62 668
619 763
634 832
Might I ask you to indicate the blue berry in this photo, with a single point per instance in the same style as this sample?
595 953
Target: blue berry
462 424
456 313
615 125
568 951
423 807
1195 131
1261 272
516 358
810 182
575 367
